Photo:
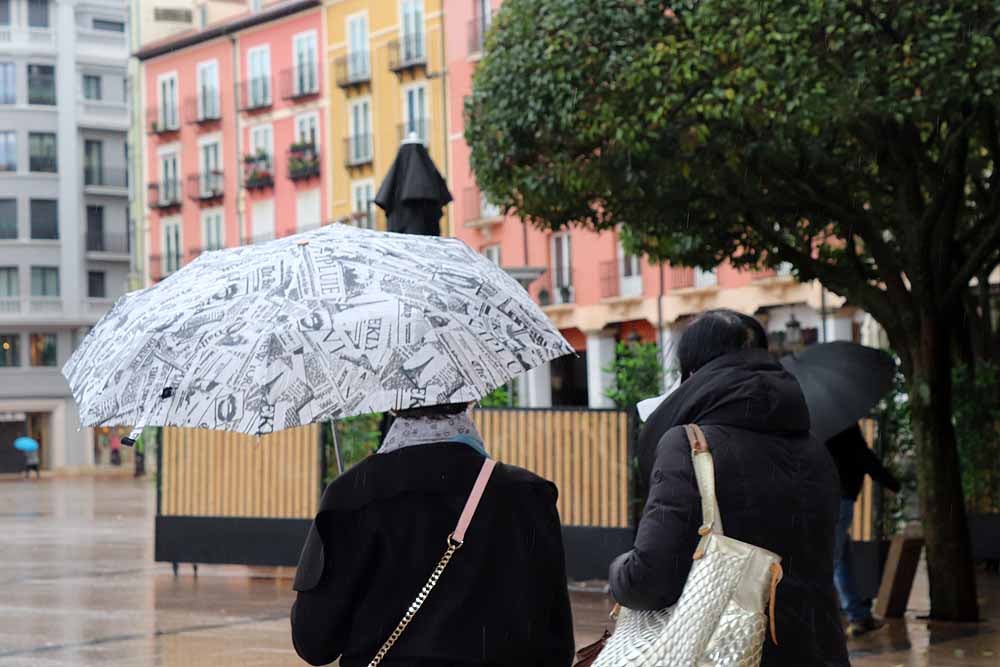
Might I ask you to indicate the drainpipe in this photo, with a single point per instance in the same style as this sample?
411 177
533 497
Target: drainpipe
236 143
659 329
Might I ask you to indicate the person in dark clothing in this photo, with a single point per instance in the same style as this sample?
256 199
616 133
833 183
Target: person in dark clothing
854 460
381 529
776 487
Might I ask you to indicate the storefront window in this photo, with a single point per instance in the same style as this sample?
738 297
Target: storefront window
43 349
9 350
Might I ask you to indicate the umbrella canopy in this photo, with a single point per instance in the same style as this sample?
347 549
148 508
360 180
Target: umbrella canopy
327 324
26 444
841 382
413 192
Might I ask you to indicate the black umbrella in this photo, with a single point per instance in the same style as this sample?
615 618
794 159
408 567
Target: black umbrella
413 192
842 382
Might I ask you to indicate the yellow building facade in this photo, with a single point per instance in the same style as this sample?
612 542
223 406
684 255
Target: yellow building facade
387 82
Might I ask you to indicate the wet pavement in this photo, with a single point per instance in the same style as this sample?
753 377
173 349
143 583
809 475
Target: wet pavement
78 587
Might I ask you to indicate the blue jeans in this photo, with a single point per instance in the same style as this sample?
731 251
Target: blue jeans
856 608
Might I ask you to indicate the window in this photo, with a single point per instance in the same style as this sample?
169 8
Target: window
42 84
44 219
492 253
45 281
10 356
307 129
42 152
169 178
307 210
168 102
212 230
362 199
8 83
210 164
91 87
10 288
172 15
262 141
208 90
96 287
203 16
306 74
413 30
482 17
415 112
262 220
562 268
95 229
171 246
4 12
360 121
8 150
358 58
705 278
43 349
38 13
255 5
259 67
93 162
110 26
630 274
8 218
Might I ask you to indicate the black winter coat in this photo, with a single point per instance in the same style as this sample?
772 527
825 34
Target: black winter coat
777 489
854 459
380 531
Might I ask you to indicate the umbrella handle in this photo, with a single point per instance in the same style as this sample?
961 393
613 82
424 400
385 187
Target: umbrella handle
336 448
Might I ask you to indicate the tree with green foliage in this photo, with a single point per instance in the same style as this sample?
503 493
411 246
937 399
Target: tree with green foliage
637 373
854 139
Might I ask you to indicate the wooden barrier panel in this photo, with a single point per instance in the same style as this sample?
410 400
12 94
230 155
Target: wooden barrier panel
220 474
585 452
864 521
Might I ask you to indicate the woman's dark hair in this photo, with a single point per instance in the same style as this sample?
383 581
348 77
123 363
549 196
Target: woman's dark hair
434 411
715 333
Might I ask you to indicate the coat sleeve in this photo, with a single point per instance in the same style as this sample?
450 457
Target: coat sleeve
653 573
873 467
322 613
560 645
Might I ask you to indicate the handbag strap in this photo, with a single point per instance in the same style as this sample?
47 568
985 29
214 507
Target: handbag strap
704 473
455 541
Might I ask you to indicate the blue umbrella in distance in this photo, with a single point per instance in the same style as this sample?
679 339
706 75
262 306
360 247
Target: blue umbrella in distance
25 444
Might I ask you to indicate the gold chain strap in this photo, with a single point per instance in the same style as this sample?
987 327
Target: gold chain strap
453 546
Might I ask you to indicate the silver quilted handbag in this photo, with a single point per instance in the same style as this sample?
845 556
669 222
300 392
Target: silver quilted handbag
719 620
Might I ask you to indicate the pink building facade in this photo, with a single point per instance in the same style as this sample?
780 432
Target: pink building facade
235 122
595 293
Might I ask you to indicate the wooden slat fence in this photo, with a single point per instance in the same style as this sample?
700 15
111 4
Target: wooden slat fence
863 527
585 452
219 474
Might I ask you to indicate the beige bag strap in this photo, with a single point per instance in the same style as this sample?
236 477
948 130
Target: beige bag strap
704 473
455 542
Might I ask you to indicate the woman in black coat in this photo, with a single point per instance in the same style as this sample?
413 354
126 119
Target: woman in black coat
383 526
776 486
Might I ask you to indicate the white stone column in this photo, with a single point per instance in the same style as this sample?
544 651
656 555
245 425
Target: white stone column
600 355
839 328
534 388
72 277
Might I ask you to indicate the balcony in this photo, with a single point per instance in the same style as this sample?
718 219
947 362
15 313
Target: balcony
106 243
103 115
202 109
102 43
299 83
45 304
478 212
353 69
407 53
163 121
27 37
42 90
99 306
357 150
303 161
681 277
478 28
616 285
255 94
258 172
206 186
43 164
418 126
165 195
106 180
557 287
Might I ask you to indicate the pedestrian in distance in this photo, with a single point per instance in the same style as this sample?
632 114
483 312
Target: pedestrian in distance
32 463
854 460
775 484
500 598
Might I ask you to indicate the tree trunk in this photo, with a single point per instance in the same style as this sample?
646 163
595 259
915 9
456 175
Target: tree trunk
946 531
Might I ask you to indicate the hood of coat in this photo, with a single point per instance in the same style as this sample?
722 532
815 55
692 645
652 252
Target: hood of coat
747 390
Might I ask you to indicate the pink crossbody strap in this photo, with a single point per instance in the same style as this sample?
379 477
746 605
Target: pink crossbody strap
455 541
473 502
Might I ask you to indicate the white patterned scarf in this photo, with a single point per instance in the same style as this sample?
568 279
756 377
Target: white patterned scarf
409 432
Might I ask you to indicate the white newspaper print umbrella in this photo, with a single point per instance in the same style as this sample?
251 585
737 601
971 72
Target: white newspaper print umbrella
322 325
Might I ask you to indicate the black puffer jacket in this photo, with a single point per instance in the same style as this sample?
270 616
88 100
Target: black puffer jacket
777 489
